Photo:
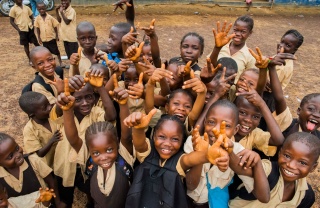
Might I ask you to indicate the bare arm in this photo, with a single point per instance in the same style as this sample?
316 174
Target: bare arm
57 14
14 25
130 13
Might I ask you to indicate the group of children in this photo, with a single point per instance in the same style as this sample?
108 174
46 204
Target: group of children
131 131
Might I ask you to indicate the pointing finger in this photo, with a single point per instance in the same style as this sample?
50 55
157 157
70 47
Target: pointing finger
66 87
140 78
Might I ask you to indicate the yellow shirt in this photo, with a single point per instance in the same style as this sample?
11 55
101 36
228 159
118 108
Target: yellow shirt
36 87
62 166
68 32
134 105
41 170
276 194
285 73
243 58
21 17
84 63
46 27
216 178
82 156
36 136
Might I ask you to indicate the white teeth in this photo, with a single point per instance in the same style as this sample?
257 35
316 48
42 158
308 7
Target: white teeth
313 121
166 151
105 165
245 127
288 172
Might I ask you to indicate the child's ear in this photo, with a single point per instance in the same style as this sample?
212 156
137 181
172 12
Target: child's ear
298 111
236 129
314 167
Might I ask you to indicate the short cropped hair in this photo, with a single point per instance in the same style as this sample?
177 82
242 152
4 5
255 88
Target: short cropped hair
225 103
28 99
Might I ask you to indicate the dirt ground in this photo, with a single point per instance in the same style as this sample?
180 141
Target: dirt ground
172 22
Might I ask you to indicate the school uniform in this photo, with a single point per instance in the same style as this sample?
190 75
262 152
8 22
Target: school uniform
47 32
213 182
243 58
24 191
36 136
157 184
115 185
302 190
37 87
71 174
68 32
22 20
84 63
285 73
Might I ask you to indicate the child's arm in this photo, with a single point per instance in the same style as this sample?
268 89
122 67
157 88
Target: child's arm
53 191
55 138
252 96
14 25
157 76
57 13
121 96
56 31
248 163
155 50
74 61
221 38
38 34
130 13
198 87
65 101
139 121
64 18
279 59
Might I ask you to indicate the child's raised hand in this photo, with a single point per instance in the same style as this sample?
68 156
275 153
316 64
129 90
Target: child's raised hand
221 36
280 58
216 151
223 84
57 136
139 120
195 84
118 94
76 83
149 31
248 158
261 61
251 95
148 67
58 83
226 143
75 57
45 195
65 101
208 71
130 37
120 4
93 79
124 65
184 70
160 74
133 53
198 143
136 90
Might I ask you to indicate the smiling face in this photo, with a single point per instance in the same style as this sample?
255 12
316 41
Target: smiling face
179 105
42 108
11 154
84 101
168 139
249 78
190 49
114 40
296 161
87 37
249 116
103 148
65 3
211 86
242 31
309 115
44 62
289 44
214 119
42 9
